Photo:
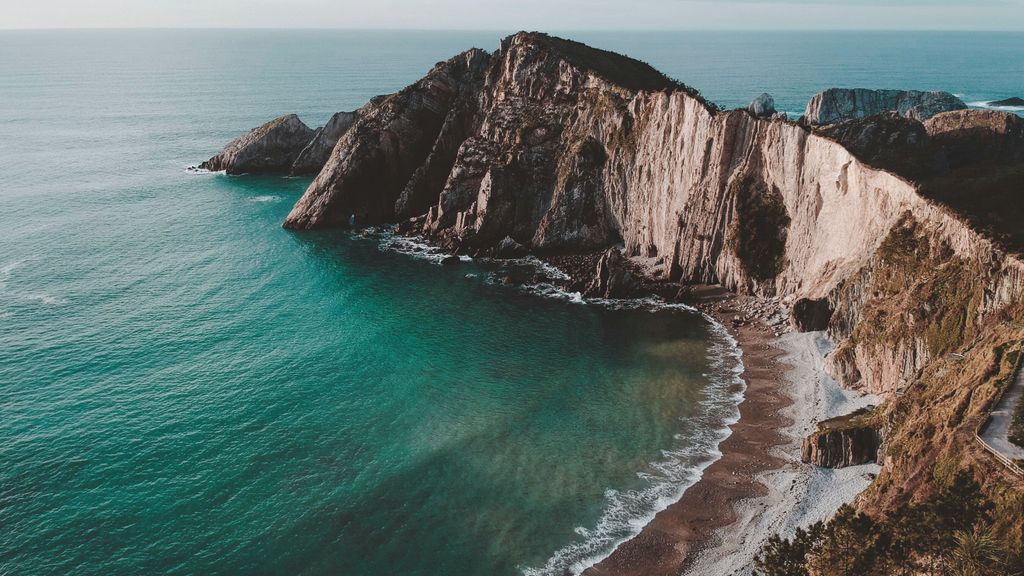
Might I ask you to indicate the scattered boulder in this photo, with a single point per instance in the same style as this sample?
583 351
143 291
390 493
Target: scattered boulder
848 440
1014 101
614 277
811 314
763 106
272 147
838 104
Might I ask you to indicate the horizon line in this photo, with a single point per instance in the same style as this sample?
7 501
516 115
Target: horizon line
487 29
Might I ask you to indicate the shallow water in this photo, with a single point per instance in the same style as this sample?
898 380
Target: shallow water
188 388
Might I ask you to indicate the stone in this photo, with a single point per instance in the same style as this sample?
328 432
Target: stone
839 104
763 106
613 278
270 148
509 248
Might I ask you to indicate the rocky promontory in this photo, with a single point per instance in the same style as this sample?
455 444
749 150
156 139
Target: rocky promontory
270 148
889 219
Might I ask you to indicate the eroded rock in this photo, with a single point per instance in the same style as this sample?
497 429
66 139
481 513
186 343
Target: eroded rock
838 104
272 147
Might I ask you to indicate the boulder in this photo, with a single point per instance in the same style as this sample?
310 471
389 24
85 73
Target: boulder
272 147
613 278
838 104
763 106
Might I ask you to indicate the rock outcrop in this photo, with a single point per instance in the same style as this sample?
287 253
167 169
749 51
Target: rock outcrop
1012 102
316 152
838 104
845 441
763 106
614 277
272 147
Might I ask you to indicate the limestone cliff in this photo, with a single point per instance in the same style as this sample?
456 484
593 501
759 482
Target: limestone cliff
897 237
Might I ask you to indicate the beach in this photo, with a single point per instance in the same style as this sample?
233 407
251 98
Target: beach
758 487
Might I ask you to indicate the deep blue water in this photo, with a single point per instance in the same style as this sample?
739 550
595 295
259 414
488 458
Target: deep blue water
185 387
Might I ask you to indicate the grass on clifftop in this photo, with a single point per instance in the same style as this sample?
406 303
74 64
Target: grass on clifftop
616 68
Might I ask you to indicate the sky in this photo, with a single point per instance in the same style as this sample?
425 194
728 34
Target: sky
519 14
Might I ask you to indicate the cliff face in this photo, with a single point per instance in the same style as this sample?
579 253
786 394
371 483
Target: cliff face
867 227
563 148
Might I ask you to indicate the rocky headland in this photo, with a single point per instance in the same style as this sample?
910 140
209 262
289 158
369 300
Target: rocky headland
890 220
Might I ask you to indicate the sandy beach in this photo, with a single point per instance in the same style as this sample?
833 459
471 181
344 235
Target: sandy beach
758 487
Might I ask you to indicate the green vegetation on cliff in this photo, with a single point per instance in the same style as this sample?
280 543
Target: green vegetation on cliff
958 531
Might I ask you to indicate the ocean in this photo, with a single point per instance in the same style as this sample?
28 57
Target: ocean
188 388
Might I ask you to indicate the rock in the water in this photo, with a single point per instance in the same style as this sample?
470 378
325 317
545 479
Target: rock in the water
1014 101
763 106
848 440
614 277
509 248
273 147
810 315
315 154
838 104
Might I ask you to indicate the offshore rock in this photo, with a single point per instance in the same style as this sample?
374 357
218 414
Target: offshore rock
763 106
272 147
838 104
1014 101
613 278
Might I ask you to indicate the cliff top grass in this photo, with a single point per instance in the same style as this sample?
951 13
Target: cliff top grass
618 69
862 418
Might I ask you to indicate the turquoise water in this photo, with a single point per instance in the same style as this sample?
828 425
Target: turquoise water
188 388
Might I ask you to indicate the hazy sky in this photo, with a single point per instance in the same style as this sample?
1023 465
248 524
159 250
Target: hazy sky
518 14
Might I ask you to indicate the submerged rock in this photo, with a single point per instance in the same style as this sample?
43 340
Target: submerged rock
838 104
763 106
272 147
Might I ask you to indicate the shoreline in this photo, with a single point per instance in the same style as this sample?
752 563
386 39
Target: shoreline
758 487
